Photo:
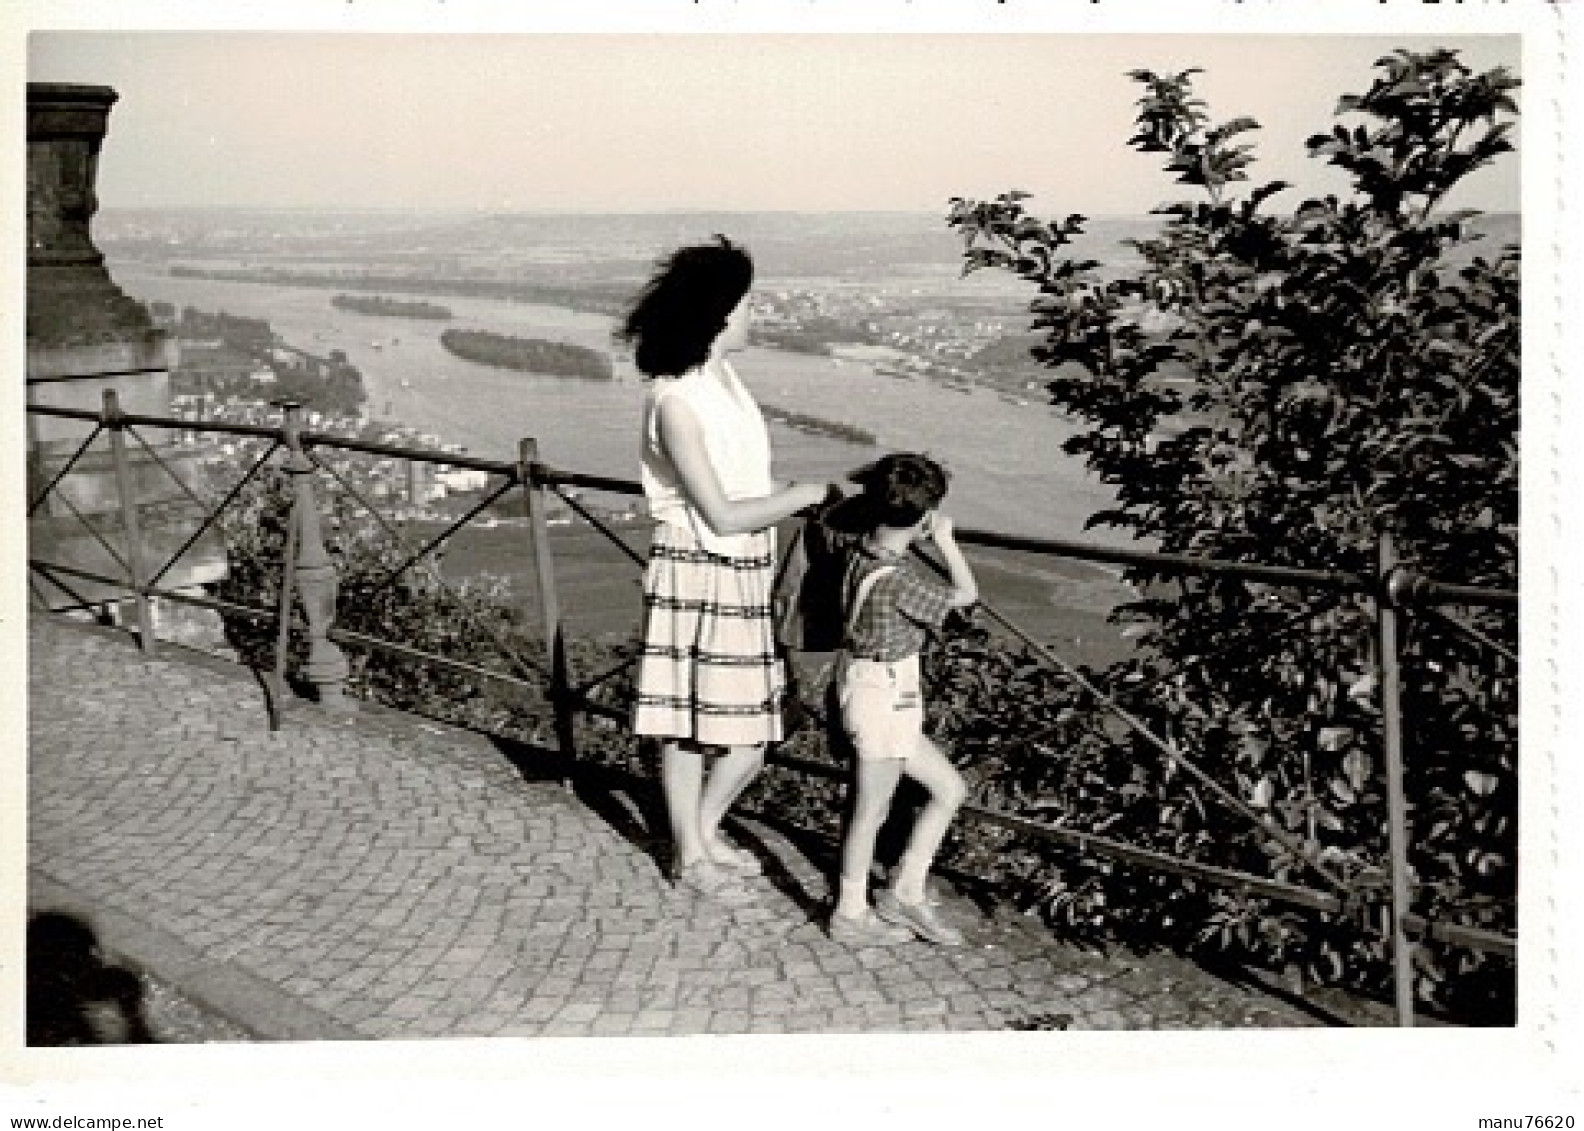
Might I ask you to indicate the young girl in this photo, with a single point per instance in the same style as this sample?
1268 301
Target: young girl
892 605
709 679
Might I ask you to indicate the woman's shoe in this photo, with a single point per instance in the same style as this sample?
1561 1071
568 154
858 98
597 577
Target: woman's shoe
865 930
707 879
919 918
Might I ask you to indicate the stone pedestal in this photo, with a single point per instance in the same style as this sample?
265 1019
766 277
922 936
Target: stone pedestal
85 335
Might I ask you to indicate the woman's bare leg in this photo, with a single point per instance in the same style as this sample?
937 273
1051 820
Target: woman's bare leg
681 780
734 770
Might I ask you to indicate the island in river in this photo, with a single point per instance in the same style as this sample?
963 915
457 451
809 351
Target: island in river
530 355
391 307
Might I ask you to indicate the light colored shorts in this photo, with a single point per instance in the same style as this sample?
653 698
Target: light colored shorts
882 706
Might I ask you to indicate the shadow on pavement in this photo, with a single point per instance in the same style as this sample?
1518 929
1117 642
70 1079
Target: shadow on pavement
626 802
633 805
74 997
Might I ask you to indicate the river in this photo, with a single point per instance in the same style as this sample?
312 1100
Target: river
1008 470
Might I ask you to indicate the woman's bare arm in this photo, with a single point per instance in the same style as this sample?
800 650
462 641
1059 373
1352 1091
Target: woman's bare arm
683 440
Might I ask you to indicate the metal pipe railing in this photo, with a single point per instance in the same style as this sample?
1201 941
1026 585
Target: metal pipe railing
65 470
1167 563
1417 589
416 455
1393 589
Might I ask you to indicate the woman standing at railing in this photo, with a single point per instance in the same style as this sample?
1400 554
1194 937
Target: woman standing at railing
709 678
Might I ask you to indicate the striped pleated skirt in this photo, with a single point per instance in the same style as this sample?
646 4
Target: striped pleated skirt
709 670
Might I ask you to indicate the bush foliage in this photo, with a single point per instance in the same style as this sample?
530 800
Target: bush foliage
1286 387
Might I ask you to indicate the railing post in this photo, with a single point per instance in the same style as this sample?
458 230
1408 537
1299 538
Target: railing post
127 492
1396 801
314 572
283 610
535 495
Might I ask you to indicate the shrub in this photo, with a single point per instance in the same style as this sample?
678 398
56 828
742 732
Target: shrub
1286 387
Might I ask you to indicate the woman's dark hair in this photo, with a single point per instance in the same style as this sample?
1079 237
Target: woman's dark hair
683 309
900 489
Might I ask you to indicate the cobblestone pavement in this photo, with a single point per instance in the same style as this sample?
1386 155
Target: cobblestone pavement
375 875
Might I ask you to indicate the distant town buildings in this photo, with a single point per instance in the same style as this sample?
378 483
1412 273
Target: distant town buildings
413 485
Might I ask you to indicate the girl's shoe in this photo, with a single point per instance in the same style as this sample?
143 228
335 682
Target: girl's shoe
709 880
865 930
735 859
919 918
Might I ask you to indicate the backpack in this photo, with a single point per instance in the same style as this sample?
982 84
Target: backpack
808 601
815 613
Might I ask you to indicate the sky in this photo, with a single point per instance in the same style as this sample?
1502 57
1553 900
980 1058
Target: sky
624 123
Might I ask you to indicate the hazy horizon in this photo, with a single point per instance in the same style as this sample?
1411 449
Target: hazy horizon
461 210
577 124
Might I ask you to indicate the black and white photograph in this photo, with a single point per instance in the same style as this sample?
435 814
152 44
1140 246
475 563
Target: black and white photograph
904 541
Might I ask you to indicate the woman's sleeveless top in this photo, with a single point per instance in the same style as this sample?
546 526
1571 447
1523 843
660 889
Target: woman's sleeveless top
735 440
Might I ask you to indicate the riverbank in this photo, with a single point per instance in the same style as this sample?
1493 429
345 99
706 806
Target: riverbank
1008 470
